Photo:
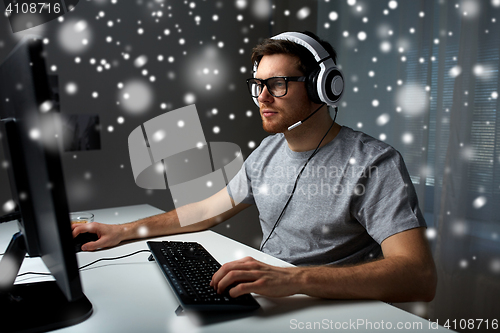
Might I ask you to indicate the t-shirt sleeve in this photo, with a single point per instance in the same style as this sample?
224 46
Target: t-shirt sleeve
239 188
385 201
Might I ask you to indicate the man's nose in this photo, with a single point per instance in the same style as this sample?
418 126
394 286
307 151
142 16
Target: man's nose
265 95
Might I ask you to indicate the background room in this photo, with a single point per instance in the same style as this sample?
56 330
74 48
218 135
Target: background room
421 75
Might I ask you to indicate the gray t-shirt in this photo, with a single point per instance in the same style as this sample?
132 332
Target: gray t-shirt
354 193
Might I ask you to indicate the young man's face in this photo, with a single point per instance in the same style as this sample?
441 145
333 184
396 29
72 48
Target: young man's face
278 113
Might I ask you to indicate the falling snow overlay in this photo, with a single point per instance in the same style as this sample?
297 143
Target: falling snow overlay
421 76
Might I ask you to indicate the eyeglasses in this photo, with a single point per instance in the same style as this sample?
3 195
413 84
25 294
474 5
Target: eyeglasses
277 86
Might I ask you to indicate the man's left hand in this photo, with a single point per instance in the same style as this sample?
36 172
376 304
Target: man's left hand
252 276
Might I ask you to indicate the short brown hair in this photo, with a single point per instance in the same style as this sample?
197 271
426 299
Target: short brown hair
307 63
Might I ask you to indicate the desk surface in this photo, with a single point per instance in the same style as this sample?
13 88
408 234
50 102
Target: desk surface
131 294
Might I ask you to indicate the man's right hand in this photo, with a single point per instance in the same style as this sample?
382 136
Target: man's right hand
109 234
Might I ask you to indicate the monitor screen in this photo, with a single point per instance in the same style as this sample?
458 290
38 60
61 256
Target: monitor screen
31 139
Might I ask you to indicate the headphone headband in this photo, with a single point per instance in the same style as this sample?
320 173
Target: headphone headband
309 43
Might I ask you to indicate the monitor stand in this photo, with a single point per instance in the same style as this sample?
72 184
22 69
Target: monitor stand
34 307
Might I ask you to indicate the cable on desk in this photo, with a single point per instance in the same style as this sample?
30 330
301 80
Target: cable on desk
35 273
115 258
93 262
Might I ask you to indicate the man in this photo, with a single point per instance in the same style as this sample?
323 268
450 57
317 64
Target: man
349 220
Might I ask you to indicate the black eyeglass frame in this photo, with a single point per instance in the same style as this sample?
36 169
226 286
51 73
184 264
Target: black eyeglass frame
264 82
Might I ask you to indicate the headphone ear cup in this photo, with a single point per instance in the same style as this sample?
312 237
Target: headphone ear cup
334 85
311 86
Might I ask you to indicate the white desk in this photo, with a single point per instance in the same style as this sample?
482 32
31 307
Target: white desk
131 294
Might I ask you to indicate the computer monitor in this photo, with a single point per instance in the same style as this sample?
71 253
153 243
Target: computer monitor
31 140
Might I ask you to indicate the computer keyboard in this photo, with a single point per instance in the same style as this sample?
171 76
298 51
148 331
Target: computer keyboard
189 268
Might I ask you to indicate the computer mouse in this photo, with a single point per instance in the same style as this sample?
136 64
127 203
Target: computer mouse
83 238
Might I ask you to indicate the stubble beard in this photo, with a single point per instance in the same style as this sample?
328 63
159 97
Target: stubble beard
275 127
285 120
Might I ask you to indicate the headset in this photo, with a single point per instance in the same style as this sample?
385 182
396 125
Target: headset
324 85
